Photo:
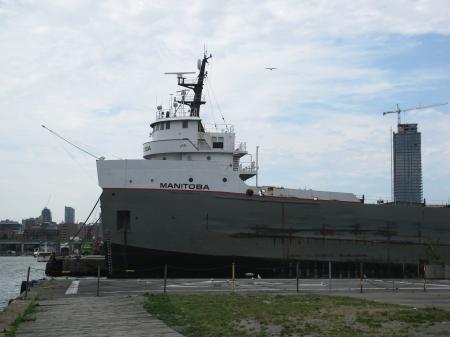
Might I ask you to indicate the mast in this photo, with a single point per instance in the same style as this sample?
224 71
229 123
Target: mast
197 87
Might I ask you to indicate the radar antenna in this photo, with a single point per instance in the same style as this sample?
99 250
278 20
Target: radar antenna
196 86
180 74
399 111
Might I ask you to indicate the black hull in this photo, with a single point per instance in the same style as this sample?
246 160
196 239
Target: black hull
199 234
132 262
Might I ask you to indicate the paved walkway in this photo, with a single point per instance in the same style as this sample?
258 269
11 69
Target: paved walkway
95 317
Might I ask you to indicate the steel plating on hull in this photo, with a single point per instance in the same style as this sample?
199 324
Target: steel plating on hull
187 205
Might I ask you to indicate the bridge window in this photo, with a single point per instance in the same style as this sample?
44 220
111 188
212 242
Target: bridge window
185 124
217 142
167 125
156 127
123 220
162 126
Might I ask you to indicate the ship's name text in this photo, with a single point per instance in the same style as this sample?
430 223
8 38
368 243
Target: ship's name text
184 186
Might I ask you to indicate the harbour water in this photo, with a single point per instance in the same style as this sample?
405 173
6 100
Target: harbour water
13 270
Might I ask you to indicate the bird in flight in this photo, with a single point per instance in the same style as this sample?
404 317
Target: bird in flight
270 68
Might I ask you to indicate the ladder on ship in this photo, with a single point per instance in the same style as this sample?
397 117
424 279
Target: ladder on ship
109 254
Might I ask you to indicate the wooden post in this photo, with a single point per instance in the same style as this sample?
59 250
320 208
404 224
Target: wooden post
329 276
165 278
28 282
233 275
296 274
98 279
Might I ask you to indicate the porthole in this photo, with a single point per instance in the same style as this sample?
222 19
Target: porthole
152 180
164 158
131 181
208 158
191 180
224 180
113 194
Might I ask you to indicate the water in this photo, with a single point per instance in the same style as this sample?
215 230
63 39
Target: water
13 270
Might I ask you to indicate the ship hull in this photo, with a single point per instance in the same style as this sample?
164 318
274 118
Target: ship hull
201 234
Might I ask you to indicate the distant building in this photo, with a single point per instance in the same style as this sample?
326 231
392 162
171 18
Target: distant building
9 229
69 214
40 234
46 215
10 225
31 223
67 230
407 164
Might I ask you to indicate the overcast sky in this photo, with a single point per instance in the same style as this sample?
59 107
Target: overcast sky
93 72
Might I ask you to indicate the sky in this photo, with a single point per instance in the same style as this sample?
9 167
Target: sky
93 71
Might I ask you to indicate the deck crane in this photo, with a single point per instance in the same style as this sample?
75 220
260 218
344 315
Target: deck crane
399 111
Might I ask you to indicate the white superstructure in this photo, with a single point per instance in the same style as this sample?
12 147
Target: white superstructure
183 155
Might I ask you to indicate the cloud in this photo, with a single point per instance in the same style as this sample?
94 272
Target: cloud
92 71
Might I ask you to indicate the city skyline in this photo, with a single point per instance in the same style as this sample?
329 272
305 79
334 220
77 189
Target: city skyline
94 73
42 217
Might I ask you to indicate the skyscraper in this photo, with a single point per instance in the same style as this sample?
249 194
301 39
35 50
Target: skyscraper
407 164
69 214
46 215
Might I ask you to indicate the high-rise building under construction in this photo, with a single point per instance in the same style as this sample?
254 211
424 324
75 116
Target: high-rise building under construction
407 164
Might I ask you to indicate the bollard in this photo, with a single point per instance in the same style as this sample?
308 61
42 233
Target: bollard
233 275
424 279
296 274
360 277
28 282
165 278
329 276
98 279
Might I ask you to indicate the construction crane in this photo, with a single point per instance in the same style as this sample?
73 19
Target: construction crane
399 111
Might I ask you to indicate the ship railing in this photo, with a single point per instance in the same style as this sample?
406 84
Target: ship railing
379 200
215 127
189 80
164 114
388 201
188 97
242 147
247 167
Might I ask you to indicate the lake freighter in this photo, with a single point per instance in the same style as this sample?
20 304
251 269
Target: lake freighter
187 205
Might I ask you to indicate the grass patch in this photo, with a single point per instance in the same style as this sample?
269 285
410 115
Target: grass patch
267 315
27 315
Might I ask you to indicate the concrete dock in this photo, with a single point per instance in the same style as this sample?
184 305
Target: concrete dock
116 316
70 307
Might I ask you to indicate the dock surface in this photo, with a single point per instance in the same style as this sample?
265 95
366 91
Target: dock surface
69 307
71 315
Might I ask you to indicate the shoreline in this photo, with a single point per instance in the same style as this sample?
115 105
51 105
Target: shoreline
17 306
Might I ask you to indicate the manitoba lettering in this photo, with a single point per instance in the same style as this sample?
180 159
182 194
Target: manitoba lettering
185 186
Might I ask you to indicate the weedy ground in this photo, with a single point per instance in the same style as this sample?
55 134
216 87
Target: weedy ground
27 315
264 315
